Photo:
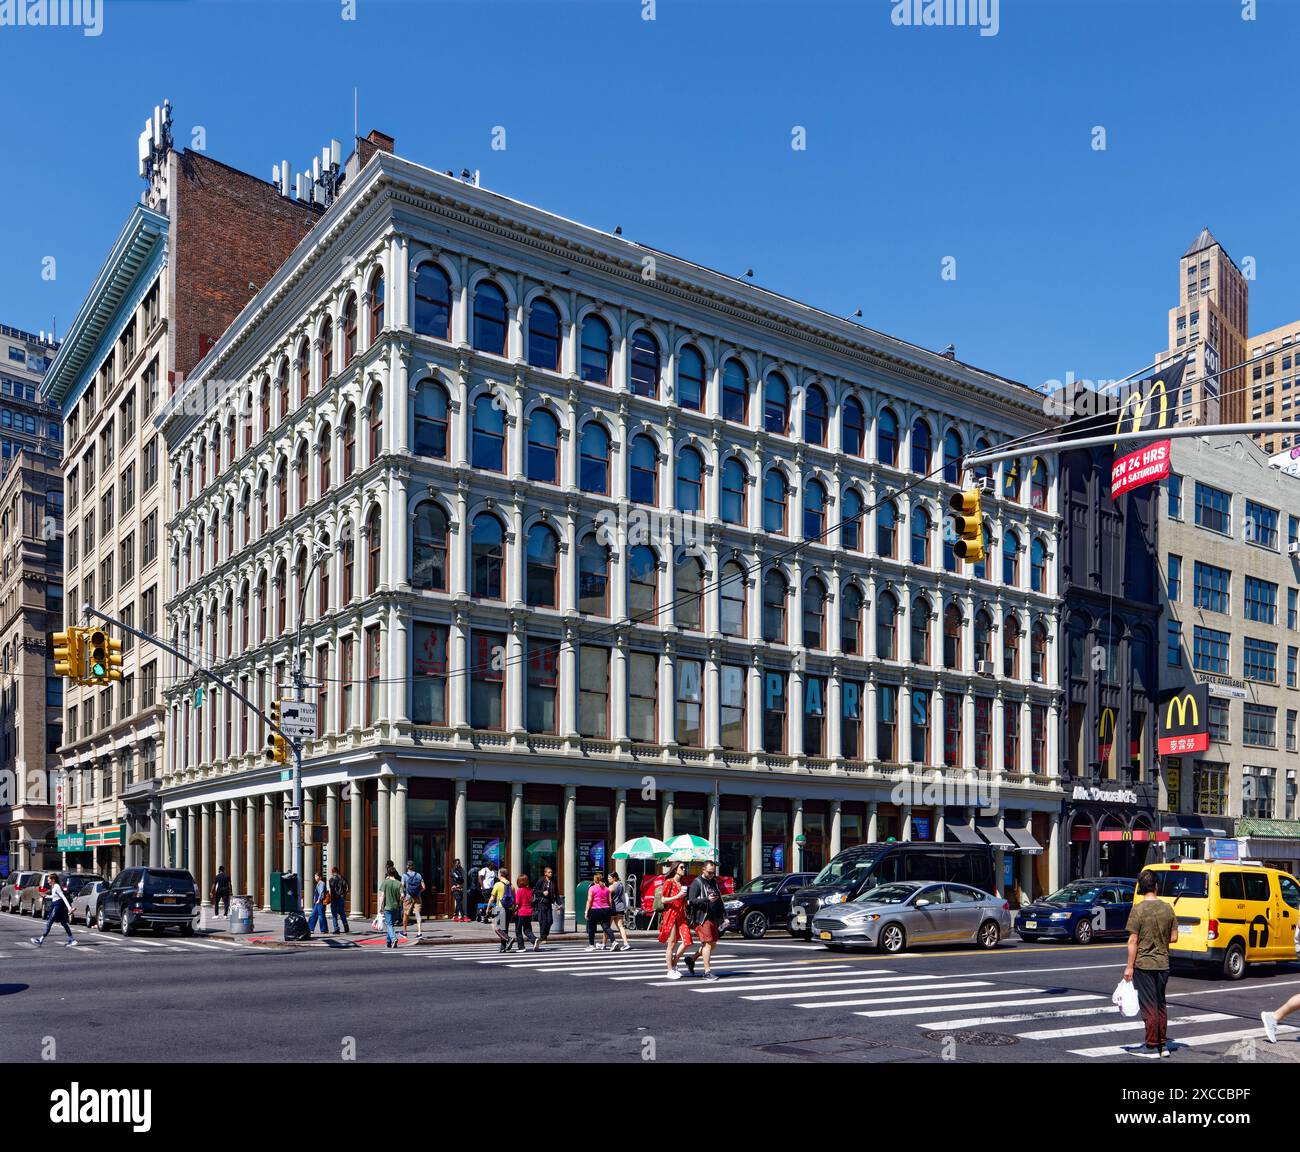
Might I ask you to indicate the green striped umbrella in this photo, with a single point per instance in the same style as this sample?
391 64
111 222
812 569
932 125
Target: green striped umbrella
690 848
643 848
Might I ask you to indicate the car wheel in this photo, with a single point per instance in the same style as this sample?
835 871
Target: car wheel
892 939
100 922
1234 962
126 926
989 935
753 926
1083 932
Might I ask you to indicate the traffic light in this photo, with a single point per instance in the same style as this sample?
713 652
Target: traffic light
968 525
68 654
105 663
277 747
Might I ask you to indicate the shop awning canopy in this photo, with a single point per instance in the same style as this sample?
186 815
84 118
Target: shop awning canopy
1024 839
963 833
995 836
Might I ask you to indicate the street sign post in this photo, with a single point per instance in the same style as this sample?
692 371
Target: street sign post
298 719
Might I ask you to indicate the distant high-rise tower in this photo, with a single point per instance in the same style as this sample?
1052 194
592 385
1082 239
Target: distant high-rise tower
1209 326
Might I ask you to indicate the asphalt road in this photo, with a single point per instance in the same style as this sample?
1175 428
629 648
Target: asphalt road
136 999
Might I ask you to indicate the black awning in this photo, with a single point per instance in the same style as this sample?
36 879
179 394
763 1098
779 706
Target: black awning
962 833
995 836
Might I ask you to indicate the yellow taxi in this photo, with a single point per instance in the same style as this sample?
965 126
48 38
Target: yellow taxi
1230 913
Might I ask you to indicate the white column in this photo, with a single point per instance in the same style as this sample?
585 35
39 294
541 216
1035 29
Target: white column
205 853
755 836
797 831
460 823
516 827
268 848
569 863
620 816
384 847
1054 851
356 859
714 829
250 847
400 848
333 828
220 840
837 820
668 816
873 821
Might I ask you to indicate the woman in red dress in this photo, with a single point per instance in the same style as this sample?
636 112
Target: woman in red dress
674 928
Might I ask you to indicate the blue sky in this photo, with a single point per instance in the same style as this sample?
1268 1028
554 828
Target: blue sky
922 143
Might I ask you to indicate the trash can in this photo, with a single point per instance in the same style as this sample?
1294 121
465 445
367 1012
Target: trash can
580 901
284 892
241 915
557 916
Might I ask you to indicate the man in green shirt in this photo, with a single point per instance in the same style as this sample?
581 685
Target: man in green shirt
390 902
1152 927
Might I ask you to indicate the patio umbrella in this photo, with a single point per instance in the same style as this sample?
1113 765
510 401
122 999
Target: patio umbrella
691 848
643 848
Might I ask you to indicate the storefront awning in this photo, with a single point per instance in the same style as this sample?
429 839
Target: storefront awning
995 836
1024 839
1180 832
963 834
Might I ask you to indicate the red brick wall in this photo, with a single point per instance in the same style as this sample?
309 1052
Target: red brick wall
231 230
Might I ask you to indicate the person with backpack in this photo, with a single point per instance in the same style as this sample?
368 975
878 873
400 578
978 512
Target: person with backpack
704 904
338 899
412 896
501 905
618 902
319 898
58 913
390 903
458 892
524 914
598 914
544 896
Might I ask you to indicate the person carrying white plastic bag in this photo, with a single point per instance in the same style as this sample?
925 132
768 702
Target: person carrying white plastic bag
1152 927
1125 997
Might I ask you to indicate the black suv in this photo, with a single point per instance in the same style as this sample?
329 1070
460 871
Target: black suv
764 901
153 896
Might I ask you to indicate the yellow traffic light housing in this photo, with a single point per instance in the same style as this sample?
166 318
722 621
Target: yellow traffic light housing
277 747
105 663
968 525
68 654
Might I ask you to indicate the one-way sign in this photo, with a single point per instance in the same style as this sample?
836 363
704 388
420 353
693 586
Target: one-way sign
298 719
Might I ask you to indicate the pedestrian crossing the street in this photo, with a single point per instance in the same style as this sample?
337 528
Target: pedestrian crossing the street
1030 1007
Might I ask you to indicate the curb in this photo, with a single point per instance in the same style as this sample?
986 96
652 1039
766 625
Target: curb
372 939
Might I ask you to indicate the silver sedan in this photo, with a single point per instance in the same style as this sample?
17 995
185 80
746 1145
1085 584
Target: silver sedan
894 916
85 904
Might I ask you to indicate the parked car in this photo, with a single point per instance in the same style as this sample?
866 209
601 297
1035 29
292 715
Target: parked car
1083 911
14 886
156 897
866 866
39 898
86 902
895 916
764 901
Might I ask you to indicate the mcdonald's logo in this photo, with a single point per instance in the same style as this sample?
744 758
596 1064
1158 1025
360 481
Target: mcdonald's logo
1139 400
1106 714
1184 715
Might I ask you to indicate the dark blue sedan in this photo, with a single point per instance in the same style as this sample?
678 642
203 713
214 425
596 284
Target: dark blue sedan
1083 911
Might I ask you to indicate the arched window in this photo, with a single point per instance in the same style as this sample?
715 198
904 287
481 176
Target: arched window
851 605
774 598
853 428
375 550
982 471
264 406
887 626
323 572
734 618
282 390
304 370
593 576
920 537
735 392
431 404
775 496
1011 646
690 378
690 481
776 404
952 627
544 447
643 471
1038 483
593 462
488 439
851 517
324 451
487 554
246 516
922 447
300 580
349 567
228 612
375 423
349 441
1038 654
1010 558
952 456
281 495
887 438
920 646
303 469
814 510
228 519
1012 471
642 583
544 335
983 636
814 613
688 593
489 318
541 576
596 350
643 370
428 547
326 351
735 481
349 329
980 568
376 307
433 302
281 594
887 530
261 607
1038 565
203 464
815 416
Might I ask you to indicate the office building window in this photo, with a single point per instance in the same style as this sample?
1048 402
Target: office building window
1259 660
1175 575
1210 650
1261 600
1259 726
1261 525
1219 723
1213 509
1212 588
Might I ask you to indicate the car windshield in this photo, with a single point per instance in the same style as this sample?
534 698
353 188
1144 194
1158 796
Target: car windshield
761 884
1183 884
180 882
1076 894
885 894
847 869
